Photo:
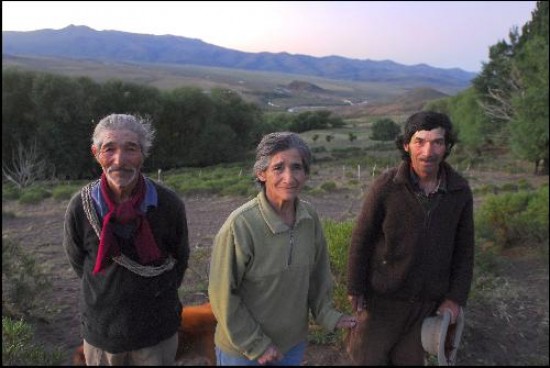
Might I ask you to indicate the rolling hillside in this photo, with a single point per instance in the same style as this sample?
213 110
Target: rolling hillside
271 91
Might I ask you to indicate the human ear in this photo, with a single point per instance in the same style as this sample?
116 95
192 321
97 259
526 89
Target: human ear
95 152
261 176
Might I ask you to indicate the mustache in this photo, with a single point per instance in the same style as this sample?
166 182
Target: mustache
128 170
429 158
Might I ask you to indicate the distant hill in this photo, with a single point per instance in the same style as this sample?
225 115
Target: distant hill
84 43
406 103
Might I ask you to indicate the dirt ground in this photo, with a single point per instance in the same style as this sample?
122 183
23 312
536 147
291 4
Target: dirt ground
511 331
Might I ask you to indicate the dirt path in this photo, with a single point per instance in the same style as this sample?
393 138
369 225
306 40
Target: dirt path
513 331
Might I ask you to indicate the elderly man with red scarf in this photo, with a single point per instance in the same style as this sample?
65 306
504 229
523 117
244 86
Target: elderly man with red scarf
126 238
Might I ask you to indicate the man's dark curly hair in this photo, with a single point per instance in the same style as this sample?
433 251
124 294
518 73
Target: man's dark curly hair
426 120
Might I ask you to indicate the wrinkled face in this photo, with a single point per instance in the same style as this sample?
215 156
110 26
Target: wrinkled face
285 176
427 149
120 157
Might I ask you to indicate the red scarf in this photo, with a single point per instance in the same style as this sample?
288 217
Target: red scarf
125 213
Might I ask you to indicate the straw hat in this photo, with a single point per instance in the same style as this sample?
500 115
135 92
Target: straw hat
442 339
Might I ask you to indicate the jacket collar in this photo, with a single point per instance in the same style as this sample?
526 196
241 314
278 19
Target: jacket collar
273 221
453 180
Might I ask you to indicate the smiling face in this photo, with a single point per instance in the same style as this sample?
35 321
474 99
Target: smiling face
121 159
426 149
284 177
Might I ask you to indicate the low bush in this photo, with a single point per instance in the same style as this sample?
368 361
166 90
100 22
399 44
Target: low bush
338 236
33 195
515 218
18 349
62 192
24 282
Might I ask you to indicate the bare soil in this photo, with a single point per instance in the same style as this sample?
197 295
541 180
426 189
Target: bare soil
508 329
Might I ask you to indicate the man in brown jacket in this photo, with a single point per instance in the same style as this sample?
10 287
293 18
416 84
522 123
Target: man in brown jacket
412 247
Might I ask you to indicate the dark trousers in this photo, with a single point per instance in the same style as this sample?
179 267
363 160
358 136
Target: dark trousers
388 333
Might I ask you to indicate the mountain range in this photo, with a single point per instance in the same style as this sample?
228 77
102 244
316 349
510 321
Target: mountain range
84 43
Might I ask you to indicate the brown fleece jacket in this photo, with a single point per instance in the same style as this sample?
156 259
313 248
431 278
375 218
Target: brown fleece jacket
401 251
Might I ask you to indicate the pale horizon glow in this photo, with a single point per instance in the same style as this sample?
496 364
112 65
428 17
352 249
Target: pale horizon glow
442 34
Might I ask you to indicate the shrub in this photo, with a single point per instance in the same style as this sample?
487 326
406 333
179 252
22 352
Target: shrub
338 236
10 191
17 347
33 195
385 130
514 218
24 282
328 186
61 192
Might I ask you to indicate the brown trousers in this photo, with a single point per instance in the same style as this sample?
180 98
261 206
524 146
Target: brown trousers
164 353
388 333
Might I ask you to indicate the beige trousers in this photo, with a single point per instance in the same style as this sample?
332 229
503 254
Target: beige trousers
164 353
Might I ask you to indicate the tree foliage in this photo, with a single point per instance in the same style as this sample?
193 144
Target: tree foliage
194 127
507 106
385 130
513 89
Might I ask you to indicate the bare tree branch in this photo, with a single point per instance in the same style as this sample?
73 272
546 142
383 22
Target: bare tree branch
26 166
499 105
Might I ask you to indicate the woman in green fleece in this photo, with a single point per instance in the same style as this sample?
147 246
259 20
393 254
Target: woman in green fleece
270 265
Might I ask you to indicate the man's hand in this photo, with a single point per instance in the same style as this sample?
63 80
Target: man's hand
271 354
451 306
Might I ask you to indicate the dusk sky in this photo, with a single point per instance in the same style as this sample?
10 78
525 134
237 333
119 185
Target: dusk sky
444 34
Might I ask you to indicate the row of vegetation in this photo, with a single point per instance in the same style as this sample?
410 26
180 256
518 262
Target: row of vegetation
47 123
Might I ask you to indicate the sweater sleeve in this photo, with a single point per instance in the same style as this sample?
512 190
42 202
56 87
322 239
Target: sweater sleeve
182 246
228 265
72 237
365 233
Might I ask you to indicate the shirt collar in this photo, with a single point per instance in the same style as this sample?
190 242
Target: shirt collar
274 222
442 177
150 200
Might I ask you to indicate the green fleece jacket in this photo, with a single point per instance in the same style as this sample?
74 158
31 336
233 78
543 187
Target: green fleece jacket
265 278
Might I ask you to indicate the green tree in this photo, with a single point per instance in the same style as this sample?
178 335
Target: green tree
385 130
186 111
529 125
18 111
513 88
64 124
475 131
241 117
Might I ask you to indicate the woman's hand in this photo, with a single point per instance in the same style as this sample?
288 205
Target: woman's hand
346 322
358 302
271 354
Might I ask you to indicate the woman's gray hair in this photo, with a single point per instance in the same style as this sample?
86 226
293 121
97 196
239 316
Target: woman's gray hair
137 124
273 143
